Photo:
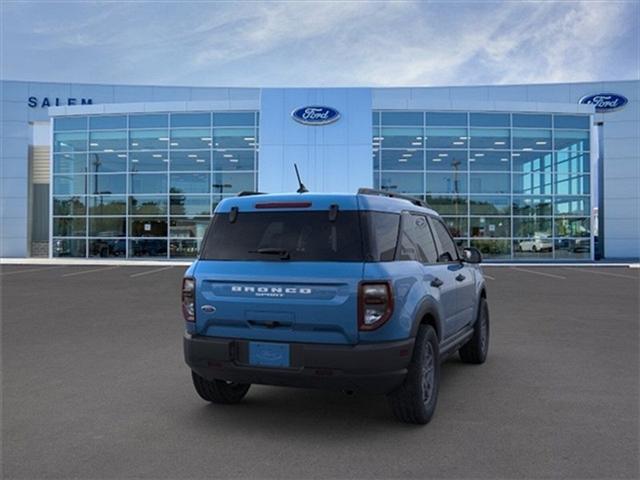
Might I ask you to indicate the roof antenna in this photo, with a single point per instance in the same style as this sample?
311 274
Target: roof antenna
301 188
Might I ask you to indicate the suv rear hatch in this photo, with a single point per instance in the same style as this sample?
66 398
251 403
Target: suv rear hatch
284 269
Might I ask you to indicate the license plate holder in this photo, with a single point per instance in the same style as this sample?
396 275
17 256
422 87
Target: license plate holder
265 354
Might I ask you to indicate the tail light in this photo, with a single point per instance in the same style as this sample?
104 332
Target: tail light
375 305
189 299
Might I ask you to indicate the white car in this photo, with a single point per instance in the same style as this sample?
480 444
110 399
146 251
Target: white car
539 243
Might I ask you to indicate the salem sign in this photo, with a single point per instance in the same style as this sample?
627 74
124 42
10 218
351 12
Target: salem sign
44 102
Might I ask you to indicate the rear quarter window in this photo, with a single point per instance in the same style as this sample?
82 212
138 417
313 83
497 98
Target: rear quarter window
381 235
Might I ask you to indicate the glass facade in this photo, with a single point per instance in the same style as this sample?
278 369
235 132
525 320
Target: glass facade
145 185
514 185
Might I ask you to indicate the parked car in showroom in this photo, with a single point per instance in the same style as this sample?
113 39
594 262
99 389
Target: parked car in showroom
538 243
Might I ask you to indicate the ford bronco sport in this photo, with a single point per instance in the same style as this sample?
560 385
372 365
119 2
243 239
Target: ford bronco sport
355 292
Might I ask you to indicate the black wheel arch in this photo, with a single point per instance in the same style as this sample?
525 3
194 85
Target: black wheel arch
428 314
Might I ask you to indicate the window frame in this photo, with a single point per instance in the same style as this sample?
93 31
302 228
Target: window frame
456 260
403 218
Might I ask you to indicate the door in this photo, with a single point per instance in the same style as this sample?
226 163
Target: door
417 243
279 275
462 275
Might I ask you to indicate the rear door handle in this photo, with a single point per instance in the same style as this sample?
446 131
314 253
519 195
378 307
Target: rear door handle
436 282
460 277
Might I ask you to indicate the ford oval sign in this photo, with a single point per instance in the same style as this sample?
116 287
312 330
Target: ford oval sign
605 102
315 115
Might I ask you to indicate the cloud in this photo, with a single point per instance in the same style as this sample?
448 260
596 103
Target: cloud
322 43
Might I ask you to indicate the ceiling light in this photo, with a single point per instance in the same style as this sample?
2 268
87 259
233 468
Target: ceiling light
541 143
227 155
515 154
402 160
233 160
406 155
134 160
249 139
436 159
504 159
206 139
93 144
458 143
192 155
109 150
499 143
528 149
122 155
134 144
463 138
165 160
157 155
163 139
418 138
443 154
472 159
478 154
200 160
416 143
174 144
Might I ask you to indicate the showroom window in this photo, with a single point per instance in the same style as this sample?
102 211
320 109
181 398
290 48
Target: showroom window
515 185
145 185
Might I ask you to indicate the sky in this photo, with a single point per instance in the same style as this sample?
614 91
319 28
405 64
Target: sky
307 43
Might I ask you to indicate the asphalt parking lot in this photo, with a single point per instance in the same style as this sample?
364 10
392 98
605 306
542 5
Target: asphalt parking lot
94 386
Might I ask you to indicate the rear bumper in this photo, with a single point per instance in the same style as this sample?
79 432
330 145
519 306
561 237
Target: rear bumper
372 368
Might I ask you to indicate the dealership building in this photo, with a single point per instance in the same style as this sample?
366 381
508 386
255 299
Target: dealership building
547 172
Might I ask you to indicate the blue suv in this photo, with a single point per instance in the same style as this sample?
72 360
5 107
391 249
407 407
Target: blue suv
355 292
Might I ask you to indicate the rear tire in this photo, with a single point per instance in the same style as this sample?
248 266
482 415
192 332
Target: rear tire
476 349
219 391
415 401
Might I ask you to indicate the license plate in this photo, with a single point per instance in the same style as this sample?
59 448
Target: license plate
269 354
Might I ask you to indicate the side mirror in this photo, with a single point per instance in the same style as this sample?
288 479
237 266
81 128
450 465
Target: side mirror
471 255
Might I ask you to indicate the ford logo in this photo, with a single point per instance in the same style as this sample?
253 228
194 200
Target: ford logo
315 115
605 102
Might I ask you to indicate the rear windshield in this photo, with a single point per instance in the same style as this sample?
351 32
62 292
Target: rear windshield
300 235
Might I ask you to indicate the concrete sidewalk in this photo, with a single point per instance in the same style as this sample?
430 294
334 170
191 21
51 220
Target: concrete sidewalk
155 263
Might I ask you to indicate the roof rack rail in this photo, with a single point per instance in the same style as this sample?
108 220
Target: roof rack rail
248 193
384 193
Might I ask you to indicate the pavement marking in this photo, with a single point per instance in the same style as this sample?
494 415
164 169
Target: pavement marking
27 271
608 274
488 276
72 274
539 273
148 272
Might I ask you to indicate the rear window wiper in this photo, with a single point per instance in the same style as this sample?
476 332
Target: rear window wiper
284 254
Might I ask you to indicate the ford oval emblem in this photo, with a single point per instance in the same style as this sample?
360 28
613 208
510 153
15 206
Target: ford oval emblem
315 115
208 308
605 102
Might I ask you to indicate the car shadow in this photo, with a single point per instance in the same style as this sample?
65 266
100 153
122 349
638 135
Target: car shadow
308 412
